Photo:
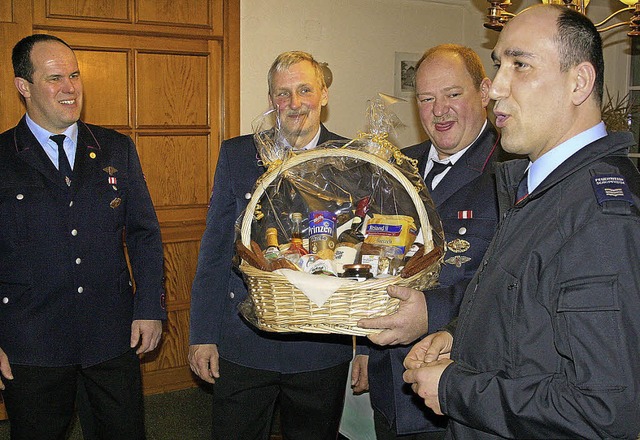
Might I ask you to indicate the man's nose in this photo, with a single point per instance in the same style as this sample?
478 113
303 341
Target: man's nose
499 86
295 101
69 85
441 107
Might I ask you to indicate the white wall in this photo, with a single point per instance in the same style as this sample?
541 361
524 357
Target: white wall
359 39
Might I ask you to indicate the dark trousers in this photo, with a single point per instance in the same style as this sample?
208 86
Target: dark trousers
310 403
386 432
40 401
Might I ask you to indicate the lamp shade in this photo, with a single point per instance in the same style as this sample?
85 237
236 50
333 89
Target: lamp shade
629 2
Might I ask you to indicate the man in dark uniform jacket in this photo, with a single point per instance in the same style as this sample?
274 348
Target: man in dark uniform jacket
71 194
452 94
252 370
546 341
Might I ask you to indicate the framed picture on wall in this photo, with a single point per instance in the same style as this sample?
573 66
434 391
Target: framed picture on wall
405 74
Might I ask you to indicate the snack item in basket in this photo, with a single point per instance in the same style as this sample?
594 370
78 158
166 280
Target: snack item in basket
391 230
322 234
283 263
357 272
251 258
346 253
382 259
419 262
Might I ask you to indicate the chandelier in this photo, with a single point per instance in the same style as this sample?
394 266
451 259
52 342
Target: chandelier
498 15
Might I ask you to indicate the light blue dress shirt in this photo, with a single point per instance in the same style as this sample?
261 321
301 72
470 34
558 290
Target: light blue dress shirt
50 147
552 159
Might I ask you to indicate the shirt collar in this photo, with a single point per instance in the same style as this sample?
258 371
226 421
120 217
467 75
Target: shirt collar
552 159
43 135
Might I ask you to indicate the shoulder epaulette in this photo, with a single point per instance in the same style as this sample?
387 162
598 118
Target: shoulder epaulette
612 193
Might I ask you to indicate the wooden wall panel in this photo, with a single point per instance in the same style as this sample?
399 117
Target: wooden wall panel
175 170
103 10
180 12
6 11
186 18
106 88
178 95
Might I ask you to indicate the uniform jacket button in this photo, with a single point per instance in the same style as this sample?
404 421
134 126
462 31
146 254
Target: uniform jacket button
462 230
80 289
232 295
19 196
247 196
5 300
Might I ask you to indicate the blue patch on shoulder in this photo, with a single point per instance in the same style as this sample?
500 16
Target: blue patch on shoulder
609 187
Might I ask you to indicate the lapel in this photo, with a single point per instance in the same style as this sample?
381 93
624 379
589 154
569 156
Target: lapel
29 150
469 167
88 157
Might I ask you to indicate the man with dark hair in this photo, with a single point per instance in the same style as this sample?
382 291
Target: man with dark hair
252 370
452 92
71 195
546 342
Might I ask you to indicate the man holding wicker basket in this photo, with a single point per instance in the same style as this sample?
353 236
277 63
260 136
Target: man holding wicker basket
252 370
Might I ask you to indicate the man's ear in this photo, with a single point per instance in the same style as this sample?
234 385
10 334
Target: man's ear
23 86
485 86
325 97
584 78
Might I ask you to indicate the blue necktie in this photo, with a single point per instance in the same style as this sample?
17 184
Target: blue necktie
523 190
63 161
434 171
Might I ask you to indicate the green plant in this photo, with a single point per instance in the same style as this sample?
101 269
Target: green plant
617 113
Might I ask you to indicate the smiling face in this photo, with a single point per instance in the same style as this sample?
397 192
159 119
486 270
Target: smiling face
537 105
452 109
54 97
299 96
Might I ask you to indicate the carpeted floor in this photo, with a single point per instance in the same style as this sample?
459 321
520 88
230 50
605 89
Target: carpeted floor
179 415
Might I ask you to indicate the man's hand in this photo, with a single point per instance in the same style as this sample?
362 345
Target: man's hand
360 374
425 380
203 360
404 326
5 368
434 347
147 333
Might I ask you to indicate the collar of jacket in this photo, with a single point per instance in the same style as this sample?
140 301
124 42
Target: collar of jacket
509 173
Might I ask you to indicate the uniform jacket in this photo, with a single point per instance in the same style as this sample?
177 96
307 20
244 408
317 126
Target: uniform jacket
218 288
66 295
467 190
547 340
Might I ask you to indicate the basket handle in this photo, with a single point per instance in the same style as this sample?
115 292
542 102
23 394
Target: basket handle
271 175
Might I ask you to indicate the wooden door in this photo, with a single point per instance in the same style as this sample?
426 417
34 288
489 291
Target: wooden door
166 73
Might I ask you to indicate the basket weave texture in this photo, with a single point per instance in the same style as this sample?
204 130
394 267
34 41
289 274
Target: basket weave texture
278 306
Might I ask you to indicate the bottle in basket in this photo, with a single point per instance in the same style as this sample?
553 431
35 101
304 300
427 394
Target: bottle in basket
272 252
353 234
296 248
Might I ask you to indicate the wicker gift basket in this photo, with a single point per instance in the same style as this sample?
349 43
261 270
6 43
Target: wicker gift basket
276 305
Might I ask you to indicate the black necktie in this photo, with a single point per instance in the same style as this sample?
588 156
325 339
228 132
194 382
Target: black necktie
63 161
523 190
435 170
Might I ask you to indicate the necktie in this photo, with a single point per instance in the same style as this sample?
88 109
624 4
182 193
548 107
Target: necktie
63 161
435 170
523 191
